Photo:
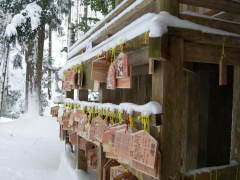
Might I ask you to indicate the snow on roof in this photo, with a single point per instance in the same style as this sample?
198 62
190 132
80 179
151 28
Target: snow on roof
157 24
152 107
107 24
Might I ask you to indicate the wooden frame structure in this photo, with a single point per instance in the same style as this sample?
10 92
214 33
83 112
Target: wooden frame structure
171 81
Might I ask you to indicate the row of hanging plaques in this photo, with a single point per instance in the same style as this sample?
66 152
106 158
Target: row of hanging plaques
116 74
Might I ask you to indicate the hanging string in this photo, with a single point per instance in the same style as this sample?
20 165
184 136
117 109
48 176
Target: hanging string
120 117
112 114
237 173
113 57
195 177
146 37
223 50
216 175
122 45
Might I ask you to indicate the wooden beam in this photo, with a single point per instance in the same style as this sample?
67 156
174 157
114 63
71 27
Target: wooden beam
205 38
221 5
213 22
235 146
202 53
158 47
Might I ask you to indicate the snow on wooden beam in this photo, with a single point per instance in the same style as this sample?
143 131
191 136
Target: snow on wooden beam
205 38
212 22
221 5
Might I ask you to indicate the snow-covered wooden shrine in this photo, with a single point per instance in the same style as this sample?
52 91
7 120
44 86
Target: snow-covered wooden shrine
185 68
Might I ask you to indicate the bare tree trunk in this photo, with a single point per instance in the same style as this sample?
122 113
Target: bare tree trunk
29 73
4 77
39 65
50 63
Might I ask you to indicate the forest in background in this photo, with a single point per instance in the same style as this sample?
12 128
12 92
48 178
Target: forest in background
30 59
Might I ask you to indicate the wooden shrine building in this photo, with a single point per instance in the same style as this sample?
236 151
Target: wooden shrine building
192 69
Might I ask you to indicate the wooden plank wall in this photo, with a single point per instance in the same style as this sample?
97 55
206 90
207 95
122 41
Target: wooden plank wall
235 147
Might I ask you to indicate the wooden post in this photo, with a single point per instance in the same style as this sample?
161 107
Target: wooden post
80 154
168 89
173 107
235 147
81 158
101 160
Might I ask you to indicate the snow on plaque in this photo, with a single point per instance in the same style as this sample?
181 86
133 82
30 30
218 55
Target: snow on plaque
144 148
122 66
111 77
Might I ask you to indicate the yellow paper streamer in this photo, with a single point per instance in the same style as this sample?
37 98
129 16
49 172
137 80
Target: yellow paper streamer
131 122
120 117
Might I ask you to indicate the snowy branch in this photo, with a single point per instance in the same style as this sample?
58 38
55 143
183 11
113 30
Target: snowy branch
32 12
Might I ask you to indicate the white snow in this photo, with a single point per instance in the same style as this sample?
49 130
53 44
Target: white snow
100 22
31 149
157 24
151 107
32 11
73 50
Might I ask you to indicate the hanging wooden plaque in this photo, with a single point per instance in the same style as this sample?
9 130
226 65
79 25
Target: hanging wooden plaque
144 148
121 65
70 77
121 146
96 86
126 82
99 70
222 72
101 127
111 77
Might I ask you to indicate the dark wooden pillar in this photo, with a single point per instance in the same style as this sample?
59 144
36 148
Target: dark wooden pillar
80 154
168 89
235 147
83 94
70 94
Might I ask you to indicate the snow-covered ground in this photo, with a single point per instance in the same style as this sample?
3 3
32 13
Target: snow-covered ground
30 149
